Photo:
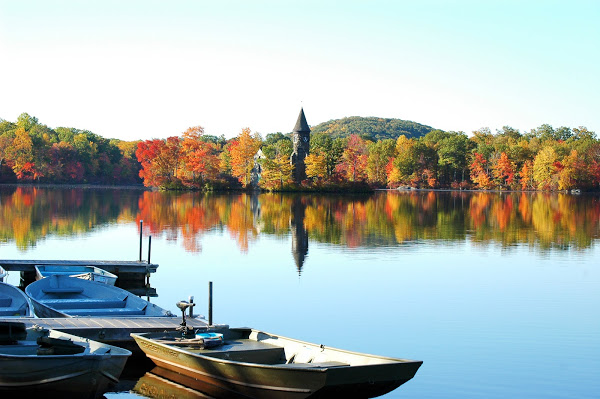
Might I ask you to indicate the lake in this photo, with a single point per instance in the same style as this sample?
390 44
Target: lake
497 293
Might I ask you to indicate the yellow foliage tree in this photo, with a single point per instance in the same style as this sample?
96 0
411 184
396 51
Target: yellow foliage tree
316 166
242 151
276 172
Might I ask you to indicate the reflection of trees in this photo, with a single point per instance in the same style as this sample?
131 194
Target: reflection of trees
384 219
29 214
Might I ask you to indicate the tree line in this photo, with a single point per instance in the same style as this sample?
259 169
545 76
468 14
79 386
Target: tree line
33 152
541 159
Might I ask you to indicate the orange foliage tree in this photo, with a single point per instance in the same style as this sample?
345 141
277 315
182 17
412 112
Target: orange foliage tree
242 151
478 174
199 157
526 176
503 171
160 160
354 159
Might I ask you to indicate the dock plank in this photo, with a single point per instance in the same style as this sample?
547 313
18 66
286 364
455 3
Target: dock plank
113 330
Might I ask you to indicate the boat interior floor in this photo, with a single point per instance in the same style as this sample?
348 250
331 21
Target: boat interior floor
251 351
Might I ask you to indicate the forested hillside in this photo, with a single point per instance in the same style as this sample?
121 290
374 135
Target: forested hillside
372 128
33 152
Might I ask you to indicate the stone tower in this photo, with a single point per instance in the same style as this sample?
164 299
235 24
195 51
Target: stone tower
301 140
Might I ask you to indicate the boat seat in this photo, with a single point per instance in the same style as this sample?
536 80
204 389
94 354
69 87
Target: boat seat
12 311
83 303
5 301
271 355
317 365
65 290
104 312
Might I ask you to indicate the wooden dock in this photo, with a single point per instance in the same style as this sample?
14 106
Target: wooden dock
111 330
116 267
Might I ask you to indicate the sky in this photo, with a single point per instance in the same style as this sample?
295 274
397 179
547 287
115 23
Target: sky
151 69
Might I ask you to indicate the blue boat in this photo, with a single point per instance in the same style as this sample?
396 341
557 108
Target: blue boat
13 302
64 296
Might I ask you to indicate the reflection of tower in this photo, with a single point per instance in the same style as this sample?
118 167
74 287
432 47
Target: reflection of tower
299 234
301 140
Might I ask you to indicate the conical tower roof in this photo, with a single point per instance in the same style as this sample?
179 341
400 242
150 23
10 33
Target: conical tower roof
301 125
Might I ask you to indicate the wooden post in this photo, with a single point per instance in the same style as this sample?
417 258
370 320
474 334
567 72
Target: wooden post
149 246
191 300
141 229
210 305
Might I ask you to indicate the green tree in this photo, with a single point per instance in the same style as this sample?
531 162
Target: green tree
331 149
380 153
452 156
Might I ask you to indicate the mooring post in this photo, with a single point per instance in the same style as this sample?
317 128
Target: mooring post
191 300
141 229
149 246
210 303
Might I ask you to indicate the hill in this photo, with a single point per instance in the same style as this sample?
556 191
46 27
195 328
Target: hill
372 128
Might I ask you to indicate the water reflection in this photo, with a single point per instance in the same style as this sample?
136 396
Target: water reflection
160 383
539 220
299 233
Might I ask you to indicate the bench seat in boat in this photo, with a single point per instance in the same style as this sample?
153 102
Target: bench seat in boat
5 301
12 311
104 312
65 290
87 303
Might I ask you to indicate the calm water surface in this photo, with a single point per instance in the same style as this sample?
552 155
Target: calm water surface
498 294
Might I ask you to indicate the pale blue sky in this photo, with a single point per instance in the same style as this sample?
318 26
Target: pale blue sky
142 69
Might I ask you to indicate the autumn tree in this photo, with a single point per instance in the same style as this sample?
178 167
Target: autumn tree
199 156
316 166
526 176
479 175
503 170
404 163
21 153
159 160
242 151
276 167
354 159
277 172
483 140
64 165
544 169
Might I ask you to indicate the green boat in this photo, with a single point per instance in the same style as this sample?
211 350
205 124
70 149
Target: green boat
254 364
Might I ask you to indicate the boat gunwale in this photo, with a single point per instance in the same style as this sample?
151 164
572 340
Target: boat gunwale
29 311
102 286
276 366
